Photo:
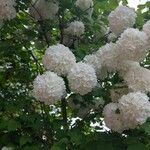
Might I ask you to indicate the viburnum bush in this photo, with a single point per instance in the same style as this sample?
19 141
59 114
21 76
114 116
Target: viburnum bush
74 75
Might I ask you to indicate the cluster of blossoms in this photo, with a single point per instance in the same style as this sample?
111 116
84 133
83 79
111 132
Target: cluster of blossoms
85 5
131 110
124 56
82 78
130 106
7 9
49 87
75 28
43 9
121 18
59 59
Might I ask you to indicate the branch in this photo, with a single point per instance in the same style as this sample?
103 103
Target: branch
41 24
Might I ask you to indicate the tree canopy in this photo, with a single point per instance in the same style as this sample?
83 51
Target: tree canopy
76 120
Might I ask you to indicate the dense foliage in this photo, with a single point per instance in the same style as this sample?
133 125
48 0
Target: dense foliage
27 124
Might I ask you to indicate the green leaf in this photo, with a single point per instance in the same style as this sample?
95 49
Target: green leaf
24 140
56 147
13 125
146 128
137 146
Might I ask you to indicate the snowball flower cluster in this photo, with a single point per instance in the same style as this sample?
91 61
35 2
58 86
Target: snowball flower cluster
59 59
48 88
7 9
137 78
131 110
121 18
43 9
75 28
112 118
135 109
132 45
82 78
85 5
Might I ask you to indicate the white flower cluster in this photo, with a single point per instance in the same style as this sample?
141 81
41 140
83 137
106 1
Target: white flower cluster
131 110
82 78
59 59
7 9
121 18
135 109
75 28
132 45
85 5
49 88
43 9
112 118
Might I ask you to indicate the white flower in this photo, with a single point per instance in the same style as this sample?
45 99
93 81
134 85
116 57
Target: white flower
75 28
85 5
121 18
94 61
137 78
132 45
146 29
7 9
82 78
48 88
59 59
43 9
135 109
112 117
